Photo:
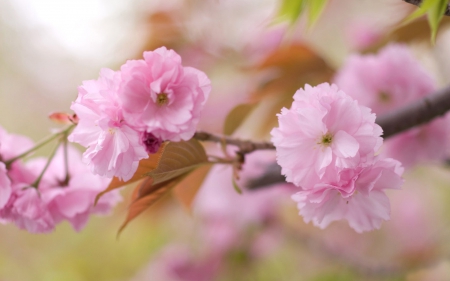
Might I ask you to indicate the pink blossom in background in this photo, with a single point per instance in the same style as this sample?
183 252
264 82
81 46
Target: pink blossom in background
178 263
227 216
162 97
357 195
27 210
39 211
427 143
12 145
361 35
415 213
385 81
74 202
19 205
324 129
114 147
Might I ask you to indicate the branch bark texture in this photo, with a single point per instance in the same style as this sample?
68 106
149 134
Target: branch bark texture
416 113
400 120
419 2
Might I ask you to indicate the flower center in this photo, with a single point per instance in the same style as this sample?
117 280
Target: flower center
384 97
326 139
162 99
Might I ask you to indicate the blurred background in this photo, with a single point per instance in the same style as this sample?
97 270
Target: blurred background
48 47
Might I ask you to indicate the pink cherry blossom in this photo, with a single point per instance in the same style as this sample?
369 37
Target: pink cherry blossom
225 214
114 147
385 81
324 129
356 194
12 145
5 186
27 210
73 200
179 263
39 210
161 96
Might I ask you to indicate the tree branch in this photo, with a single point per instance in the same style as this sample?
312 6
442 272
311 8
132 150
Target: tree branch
419 2
416 113
402 119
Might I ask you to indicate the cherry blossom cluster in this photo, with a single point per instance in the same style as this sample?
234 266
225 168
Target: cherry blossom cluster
326 145
40 193
126 114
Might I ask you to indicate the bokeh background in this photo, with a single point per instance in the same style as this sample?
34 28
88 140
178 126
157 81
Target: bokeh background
48 47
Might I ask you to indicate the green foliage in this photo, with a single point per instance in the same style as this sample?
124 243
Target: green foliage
292 9
236 187
435 10
315 10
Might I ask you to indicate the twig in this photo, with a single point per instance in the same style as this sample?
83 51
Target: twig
419 2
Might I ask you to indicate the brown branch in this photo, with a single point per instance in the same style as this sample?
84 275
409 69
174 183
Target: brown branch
416 113
419 2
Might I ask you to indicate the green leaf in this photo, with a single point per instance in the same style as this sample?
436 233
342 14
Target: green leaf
315 9
186 189
236 117
291 9
435 15
435 10
236 187
177 159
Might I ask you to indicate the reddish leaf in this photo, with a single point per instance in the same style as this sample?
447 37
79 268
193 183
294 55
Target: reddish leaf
186 190
295 65
236 117
177 160
145 195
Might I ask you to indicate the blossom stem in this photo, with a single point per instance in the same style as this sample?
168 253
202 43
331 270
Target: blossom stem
35 184
419 2
66 162
39 145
